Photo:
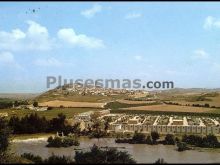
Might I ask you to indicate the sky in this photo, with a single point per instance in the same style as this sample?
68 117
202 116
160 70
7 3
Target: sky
151 41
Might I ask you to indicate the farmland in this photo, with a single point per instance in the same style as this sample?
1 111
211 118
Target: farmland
69 112
171 108
71 104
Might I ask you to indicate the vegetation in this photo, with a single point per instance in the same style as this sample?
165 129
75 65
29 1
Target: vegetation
49 114
169 139
28 124
35 104
160 161
140 138
209 141
33 158
8 103
62 141
214 113
4 139
33 123
117 105
182 146
106 156
5 156
53 159
95 155
155 136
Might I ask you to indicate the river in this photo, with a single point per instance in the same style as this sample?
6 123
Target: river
142 153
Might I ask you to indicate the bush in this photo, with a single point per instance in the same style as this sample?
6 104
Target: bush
139 138
54 159
182 146
160 161
35 104
169 139
33 158
209 141
149 140
54 142
107 156
155 136
62 141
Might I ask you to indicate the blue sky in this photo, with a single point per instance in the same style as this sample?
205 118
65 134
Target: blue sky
178 42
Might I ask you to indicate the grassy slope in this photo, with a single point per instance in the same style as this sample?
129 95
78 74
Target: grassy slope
69 112
50 95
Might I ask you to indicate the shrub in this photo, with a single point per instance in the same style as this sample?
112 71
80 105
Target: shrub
33 158
169 139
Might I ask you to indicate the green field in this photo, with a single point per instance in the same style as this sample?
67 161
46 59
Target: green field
214 113
51 95
69 112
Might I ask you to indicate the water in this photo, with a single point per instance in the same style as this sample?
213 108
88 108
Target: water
142 153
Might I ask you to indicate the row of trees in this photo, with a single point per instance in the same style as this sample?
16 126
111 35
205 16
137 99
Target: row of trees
209 141
206 105
33 123
8 103
140 138
95 155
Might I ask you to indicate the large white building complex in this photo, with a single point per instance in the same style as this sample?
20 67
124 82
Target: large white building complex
165 124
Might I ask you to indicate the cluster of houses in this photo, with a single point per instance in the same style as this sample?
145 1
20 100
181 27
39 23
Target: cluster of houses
97 90
31 107
85 118
164 124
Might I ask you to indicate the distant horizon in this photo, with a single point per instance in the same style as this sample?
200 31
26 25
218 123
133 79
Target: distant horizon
41 92
145 40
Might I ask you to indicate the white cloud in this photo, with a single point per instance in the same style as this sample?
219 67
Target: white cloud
69 36
211 22
7 59
35 38
133 15
38 36
200 54
138 57
48 62
89 13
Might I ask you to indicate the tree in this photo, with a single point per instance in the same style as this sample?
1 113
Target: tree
160 161
58 123
169 139
139 138
35 104
4 135
155 136
97 131
106 124
211 141
149 140
4 142
182 146
58 160
207 105
103 156
28 124
33 158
